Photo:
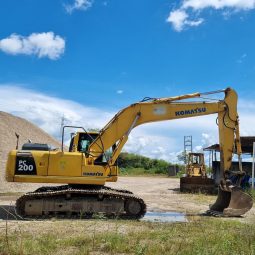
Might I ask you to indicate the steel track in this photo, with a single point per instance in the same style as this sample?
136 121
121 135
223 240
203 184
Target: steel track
55 192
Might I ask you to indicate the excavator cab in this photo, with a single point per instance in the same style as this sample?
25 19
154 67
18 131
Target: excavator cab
81 141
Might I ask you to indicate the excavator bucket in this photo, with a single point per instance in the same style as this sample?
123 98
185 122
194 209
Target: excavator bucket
231 201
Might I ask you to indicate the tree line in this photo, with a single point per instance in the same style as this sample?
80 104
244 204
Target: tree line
129 162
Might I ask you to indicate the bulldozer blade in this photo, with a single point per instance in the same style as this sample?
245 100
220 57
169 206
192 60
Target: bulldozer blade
232 202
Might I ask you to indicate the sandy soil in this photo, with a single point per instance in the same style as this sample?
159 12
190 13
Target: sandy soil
9 125
160 194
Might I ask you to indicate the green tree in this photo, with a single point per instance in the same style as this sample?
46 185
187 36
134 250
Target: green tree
183 157
129 160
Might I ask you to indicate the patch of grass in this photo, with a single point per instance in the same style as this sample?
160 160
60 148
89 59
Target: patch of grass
40 244
113 242
203 236
199 198
251 192
139 172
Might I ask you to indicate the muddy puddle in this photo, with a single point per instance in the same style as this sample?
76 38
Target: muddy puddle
8 212
164 217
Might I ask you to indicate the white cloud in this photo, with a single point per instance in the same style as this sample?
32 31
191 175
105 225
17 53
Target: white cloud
78 5
46 111
119 91
219 4
208 139
247 117
150 144
241 59
39 44
181 18
177 18
162 140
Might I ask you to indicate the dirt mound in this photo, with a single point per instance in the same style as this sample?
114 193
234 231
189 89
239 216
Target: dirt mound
9 125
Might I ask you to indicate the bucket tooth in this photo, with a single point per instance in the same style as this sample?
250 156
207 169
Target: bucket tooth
232 202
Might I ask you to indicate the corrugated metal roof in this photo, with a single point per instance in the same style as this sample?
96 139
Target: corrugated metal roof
246 142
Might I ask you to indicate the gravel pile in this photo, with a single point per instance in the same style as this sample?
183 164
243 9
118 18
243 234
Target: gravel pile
9 125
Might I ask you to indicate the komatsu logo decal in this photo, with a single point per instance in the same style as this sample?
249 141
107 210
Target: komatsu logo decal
92 174
190 112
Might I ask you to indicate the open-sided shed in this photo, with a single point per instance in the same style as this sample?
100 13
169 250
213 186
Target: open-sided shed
247 148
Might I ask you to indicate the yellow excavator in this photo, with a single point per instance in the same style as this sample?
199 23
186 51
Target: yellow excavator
91 162
196 179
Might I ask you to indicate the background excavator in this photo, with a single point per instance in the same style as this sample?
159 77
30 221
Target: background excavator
91 162
196 179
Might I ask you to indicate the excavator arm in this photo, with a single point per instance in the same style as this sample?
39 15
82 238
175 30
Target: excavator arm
231 201
120 126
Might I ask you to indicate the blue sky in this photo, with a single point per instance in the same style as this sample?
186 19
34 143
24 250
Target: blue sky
106 54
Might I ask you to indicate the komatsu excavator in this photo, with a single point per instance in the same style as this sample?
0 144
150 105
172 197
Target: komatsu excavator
91 162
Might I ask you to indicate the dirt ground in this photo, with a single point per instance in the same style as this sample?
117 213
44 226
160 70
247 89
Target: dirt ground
160 194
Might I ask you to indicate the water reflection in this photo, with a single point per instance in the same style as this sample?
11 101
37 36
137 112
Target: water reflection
164 217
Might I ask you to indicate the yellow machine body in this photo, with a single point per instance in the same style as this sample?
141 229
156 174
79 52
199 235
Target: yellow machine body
196 165
196 179
56 167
